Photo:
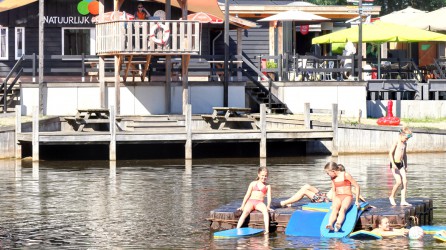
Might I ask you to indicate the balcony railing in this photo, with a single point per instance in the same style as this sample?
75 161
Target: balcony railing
151 37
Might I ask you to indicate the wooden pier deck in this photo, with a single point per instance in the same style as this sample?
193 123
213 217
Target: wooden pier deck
101 126
226 216
174 135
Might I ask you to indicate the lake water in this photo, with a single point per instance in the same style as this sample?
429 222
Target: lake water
164 204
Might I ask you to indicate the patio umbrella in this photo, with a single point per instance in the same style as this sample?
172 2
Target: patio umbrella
402 16
380 32
433 21
203 17
295 15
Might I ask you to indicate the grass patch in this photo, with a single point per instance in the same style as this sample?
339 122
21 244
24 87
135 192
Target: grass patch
423 120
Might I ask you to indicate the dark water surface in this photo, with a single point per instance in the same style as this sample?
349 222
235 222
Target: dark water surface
164 204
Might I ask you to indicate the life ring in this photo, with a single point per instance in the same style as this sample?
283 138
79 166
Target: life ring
164 29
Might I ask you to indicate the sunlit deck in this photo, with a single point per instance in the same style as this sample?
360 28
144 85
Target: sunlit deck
148 37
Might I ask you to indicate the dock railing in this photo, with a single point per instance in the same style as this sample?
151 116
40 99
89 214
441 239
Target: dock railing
148 37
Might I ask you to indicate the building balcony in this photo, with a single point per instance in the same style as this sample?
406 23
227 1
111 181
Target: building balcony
151 37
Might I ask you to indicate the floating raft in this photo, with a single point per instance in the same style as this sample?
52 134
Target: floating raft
421 213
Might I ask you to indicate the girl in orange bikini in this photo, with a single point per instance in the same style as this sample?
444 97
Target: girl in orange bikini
254 197
341 183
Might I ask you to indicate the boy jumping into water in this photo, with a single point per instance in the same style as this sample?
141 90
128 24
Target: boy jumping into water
398 165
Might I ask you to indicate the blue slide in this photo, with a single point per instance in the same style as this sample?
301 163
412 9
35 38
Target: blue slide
351 217
238 232
305 223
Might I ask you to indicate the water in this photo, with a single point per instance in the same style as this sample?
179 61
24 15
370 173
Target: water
164 204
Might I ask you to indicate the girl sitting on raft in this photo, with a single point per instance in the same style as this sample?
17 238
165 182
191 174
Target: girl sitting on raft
313 194
254 197
341 183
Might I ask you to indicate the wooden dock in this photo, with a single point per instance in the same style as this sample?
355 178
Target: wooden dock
421 212
101 126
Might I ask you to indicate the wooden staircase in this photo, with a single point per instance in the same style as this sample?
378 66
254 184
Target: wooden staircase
260 96
151 123
12 99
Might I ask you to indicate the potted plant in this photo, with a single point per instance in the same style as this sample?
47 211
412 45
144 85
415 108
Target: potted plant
271 65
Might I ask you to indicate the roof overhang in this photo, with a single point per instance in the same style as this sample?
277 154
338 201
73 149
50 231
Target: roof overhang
333 12
208 6
12 4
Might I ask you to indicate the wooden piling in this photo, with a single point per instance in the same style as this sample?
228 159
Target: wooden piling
112 118
188 146
35 133
262 131
307 121
18 130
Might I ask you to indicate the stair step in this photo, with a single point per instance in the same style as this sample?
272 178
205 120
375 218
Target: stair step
152 118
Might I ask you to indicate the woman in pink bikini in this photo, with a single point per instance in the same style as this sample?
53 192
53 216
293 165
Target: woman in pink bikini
254 197
341 183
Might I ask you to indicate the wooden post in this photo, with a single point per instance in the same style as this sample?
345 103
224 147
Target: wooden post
334 151
184 77
35 173
112 118
112 174
188 153
168 91
102 87
101 73
239 53
262 130
117 84
226 62
18 130
307 120
188 167
35 133
41 53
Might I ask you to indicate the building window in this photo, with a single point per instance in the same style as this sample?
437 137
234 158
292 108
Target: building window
19 42
76 41
3 43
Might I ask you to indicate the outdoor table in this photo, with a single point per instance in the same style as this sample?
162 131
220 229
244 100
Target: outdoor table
228 115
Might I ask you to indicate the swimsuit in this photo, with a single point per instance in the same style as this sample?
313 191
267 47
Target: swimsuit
319 197
256 188
253 203
399 165
344 183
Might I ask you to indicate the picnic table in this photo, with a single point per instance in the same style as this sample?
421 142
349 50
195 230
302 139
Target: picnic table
85 117
230 116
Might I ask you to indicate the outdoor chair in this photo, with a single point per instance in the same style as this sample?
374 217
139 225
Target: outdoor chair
329 75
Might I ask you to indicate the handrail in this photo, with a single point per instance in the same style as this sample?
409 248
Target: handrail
439 68
5 87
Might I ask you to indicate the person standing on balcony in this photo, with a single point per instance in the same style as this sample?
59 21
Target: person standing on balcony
141 13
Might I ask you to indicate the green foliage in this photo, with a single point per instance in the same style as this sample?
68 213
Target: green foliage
271 65
423 120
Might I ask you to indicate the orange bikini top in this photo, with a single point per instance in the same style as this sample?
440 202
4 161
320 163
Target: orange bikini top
344 183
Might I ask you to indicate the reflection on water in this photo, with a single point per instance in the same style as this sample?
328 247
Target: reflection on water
164 204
